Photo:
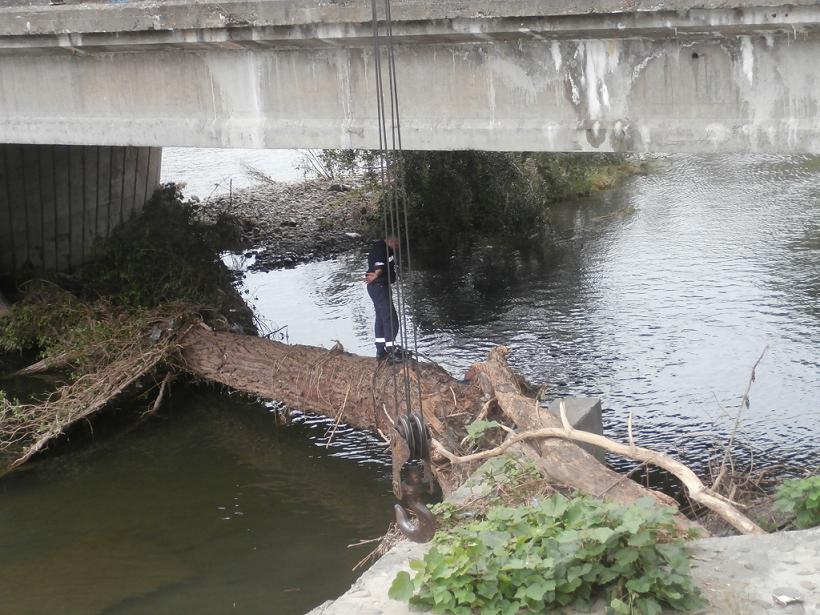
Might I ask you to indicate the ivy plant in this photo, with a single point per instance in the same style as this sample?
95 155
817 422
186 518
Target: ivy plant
554 553
801 497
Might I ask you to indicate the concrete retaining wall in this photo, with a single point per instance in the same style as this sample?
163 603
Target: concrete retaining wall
56 200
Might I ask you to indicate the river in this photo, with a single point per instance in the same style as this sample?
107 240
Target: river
657 297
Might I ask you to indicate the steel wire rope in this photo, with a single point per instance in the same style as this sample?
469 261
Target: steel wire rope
396 210
396 191
387 217
401 191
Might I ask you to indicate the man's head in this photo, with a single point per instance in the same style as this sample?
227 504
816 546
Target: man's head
392 242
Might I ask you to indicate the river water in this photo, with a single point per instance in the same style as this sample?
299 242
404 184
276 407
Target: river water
657 297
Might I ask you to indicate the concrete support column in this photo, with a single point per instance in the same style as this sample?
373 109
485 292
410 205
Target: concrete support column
56 200
584 414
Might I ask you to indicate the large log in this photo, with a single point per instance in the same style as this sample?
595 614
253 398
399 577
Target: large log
562 462
363 393
335 383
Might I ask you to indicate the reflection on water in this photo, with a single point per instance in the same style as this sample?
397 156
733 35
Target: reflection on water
211 509
658 297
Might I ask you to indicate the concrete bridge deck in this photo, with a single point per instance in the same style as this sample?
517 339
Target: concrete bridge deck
598 75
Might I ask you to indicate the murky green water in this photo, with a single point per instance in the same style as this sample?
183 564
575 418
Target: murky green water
210 508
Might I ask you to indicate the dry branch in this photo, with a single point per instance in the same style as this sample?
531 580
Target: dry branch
561 462
25 429
744 403
697 490
46 364
169 376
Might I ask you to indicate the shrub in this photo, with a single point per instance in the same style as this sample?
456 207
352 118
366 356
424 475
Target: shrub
801 498
552 554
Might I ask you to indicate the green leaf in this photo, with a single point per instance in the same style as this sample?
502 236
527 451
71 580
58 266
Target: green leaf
640 585
648 606
536 591
477 429
402 587
601 534
641 539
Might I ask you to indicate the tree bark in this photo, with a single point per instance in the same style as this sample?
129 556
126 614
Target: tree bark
367 394
363 393
562 462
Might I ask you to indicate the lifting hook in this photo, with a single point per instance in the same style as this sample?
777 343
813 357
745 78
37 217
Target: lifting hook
424 530
413 478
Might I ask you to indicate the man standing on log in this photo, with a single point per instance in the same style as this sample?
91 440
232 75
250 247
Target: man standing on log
381 273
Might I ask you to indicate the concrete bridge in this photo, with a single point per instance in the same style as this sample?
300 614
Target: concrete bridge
569 75
623 75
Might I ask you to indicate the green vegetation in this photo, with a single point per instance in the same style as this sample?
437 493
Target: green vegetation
801 497
162 255
557 552
487 193
156 265
116 320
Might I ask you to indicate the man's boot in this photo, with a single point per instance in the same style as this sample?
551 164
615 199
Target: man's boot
402 353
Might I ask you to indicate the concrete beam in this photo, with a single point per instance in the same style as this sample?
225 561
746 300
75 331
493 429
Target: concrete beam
495 75
303 19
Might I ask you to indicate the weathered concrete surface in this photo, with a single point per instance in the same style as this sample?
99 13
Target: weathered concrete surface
498 75
55 201
583 413
742 574
739 576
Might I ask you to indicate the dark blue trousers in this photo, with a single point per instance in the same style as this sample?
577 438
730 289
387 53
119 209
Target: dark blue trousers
387 320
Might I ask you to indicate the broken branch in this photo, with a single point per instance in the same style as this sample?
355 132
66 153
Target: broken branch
697 490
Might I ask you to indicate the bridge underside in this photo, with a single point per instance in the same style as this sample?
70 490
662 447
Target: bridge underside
682 81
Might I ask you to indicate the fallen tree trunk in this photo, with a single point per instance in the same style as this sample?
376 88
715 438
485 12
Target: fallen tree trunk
335 383
559 460
362 393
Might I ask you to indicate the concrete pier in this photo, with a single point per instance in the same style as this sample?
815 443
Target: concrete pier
585 414
56 200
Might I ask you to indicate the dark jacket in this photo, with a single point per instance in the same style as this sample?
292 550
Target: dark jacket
382 257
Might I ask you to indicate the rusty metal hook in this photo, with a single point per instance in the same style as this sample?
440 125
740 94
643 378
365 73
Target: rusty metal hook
424 530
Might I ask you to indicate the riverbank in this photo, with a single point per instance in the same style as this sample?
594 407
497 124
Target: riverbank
735 575
284 224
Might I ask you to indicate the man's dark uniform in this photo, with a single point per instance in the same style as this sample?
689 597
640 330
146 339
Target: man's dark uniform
387 321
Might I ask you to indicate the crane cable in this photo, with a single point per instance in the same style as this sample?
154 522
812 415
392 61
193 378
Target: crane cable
391 167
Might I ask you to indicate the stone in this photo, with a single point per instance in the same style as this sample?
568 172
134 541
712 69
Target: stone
584 414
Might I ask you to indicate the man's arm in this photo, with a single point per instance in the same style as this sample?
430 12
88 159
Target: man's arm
375 260
372 276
